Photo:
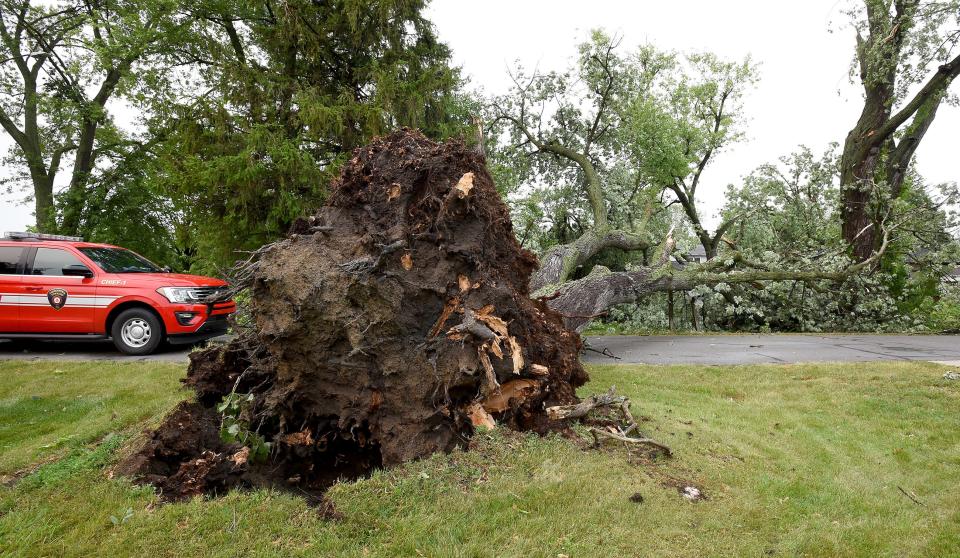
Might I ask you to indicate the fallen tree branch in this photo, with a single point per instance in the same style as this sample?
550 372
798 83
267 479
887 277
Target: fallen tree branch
579 410
623 438
608 399
910 495
605 352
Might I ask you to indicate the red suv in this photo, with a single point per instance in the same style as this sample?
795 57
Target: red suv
56 287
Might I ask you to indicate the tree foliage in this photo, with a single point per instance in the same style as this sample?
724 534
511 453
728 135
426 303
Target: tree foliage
280 94
242 111
64 65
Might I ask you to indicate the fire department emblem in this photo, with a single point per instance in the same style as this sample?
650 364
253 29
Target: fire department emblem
57 298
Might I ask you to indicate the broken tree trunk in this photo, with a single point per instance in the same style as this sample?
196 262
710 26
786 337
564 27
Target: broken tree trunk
386 327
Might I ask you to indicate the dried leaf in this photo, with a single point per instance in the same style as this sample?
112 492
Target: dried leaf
521 389
464 283
406 261
304 438
479 416
393 192
241 457
517 353
464 185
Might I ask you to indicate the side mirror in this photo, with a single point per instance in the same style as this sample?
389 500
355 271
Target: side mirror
167 269
77 270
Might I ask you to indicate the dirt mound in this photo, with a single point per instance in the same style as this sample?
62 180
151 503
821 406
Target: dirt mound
387 327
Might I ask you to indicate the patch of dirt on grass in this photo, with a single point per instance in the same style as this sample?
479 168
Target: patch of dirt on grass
11 480
386 327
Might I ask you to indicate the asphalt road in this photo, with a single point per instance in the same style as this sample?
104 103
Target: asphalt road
87 350
755 349
719 349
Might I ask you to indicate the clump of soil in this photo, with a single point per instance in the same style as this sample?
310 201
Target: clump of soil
388 326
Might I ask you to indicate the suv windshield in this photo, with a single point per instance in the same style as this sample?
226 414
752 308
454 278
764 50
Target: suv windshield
118 260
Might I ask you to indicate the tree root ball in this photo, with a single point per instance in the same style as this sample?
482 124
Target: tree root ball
389 326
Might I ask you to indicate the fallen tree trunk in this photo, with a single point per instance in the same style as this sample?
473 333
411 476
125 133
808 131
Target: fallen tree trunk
581 300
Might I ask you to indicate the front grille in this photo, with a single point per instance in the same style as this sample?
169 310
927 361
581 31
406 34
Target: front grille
208 294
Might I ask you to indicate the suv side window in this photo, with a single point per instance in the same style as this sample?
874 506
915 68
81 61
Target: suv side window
51 261
10 260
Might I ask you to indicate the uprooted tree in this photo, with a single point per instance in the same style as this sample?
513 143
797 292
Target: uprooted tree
386 327
611 147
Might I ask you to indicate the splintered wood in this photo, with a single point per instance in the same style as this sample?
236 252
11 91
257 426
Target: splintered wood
519 389
492 337
464 185
479 416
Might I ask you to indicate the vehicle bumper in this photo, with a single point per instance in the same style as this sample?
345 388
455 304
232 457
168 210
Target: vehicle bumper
204 321
214 326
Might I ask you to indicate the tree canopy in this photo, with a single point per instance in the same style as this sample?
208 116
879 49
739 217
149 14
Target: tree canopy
195 131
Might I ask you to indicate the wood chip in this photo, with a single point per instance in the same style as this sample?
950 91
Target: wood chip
406 261
491 377
464 283
539 370
479 416
448 309
496 348
520 390
486 310
464 185
495 324
516 352
394 192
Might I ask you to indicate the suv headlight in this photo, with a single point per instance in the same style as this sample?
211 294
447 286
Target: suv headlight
179 294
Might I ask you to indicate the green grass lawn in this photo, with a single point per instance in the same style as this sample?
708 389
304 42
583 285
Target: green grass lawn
795 460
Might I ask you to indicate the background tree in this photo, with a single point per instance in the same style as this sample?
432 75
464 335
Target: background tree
677 127
278 95
62 64
649 122
905 62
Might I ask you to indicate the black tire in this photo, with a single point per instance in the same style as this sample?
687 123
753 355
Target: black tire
143 334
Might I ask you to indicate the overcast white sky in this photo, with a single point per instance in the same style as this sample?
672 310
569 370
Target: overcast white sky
804 96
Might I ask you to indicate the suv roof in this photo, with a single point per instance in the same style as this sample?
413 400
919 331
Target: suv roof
32 236
51 239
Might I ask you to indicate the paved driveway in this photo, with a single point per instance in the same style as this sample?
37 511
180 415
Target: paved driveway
719 349
752 349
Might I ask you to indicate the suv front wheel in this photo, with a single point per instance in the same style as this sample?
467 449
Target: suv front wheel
136 332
